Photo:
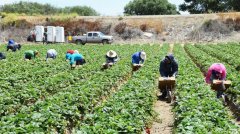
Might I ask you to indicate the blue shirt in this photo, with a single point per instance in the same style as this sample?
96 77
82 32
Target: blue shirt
68 55
74 57
136 59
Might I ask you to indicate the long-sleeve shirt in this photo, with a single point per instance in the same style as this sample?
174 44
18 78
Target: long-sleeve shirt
211 74
111 60
168 69
68 54
74 57
30 53
51 53
136 59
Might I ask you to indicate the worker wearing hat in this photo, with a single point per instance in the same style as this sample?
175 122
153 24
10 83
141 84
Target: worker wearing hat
30 54
68 54
51 53
76 59
13 45
168 66
138 58
111 58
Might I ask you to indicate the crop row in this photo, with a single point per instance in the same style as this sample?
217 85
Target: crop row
231 64
65 109
131 109
197 109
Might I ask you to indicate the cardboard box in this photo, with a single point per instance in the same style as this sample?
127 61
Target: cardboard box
166 82
217 84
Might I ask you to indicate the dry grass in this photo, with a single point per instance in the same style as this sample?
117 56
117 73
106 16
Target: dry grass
155 24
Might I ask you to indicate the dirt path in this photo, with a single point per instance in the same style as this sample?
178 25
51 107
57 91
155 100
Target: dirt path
166 117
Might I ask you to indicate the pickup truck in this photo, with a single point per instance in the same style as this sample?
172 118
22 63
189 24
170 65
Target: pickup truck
93 37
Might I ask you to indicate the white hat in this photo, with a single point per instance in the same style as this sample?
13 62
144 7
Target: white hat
143 55
111 54
76 51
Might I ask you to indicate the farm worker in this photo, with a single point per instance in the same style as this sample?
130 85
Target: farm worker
68 54
217 71
51 53
30 54
76 59
111 57
168 66
13 45
138 58
45 38
2 56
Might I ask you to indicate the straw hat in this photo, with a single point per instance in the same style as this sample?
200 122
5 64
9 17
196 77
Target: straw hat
143 55
111 54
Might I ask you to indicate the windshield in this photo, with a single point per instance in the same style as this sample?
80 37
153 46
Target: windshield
101 34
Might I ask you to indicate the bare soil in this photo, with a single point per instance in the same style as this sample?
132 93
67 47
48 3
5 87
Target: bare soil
167 118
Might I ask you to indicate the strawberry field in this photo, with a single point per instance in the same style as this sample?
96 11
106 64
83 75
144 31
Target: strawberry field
43 97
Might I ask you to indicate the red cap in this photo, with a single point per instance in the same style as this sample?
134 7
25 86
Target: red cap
70 51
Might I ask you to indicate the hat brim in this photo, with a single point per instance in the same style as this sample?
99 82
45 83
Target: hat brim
114 54
143 57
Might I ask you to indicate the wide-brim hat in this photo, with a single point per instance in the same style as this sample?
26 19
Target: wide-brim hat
111 54
143 55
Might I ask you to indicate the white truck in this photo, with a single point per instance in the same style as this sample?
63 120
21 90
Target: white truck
93 37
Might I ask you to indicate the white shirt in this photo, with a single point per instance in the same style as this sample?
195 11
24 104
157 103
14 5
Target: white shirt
51 53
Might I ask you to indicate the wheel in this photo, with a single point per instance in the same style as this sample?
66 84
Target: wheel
169 96
79 42
105 42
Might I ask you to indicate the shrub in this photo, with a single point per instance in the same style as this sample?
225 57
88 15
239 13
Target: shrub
119 28
144 27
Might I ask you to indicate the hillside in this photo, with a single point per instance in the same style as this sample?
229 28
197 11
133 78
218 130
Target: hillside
222 27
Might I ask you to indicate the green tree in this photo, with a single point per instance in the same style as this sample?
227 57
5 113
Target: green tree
209 6
81 10
30 8
149 7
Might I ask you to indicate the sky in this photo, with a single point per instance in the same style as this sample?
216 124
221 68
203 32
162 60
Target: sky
104 7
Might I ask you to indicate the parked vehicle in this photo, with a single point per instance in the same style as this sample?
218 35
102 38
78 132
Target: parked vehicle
93 37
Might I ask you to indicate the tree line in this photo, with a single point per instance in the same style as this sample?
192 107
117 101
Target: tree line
134 7
34 8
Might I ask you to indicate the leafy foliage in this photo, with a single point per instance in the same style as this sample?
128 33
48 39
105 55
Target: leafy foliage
149 7
209 6
33 8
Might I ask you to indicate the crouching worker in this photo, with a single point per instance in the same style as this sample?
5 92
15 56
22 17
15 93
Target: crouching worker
76 60
168 68
68 54
51 53
30 54
13 45
2 56
111 58
217 71
138 59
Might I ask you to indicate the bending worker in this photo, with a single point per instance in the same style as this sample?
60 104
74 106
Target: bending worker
13 45
138 58
217 71
76 59
68 54
168 66
111 57
51 53
2 56
30 54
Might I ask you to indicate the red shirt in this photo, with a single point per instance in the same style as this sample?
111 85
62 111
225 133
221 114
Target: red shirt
70 51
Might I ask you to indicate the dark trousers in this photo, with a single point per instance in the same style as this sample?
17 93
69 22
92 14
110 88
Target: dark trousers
80 62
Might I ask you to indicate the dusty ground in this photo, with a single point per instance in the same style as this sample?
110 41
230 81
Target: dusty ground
166 116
